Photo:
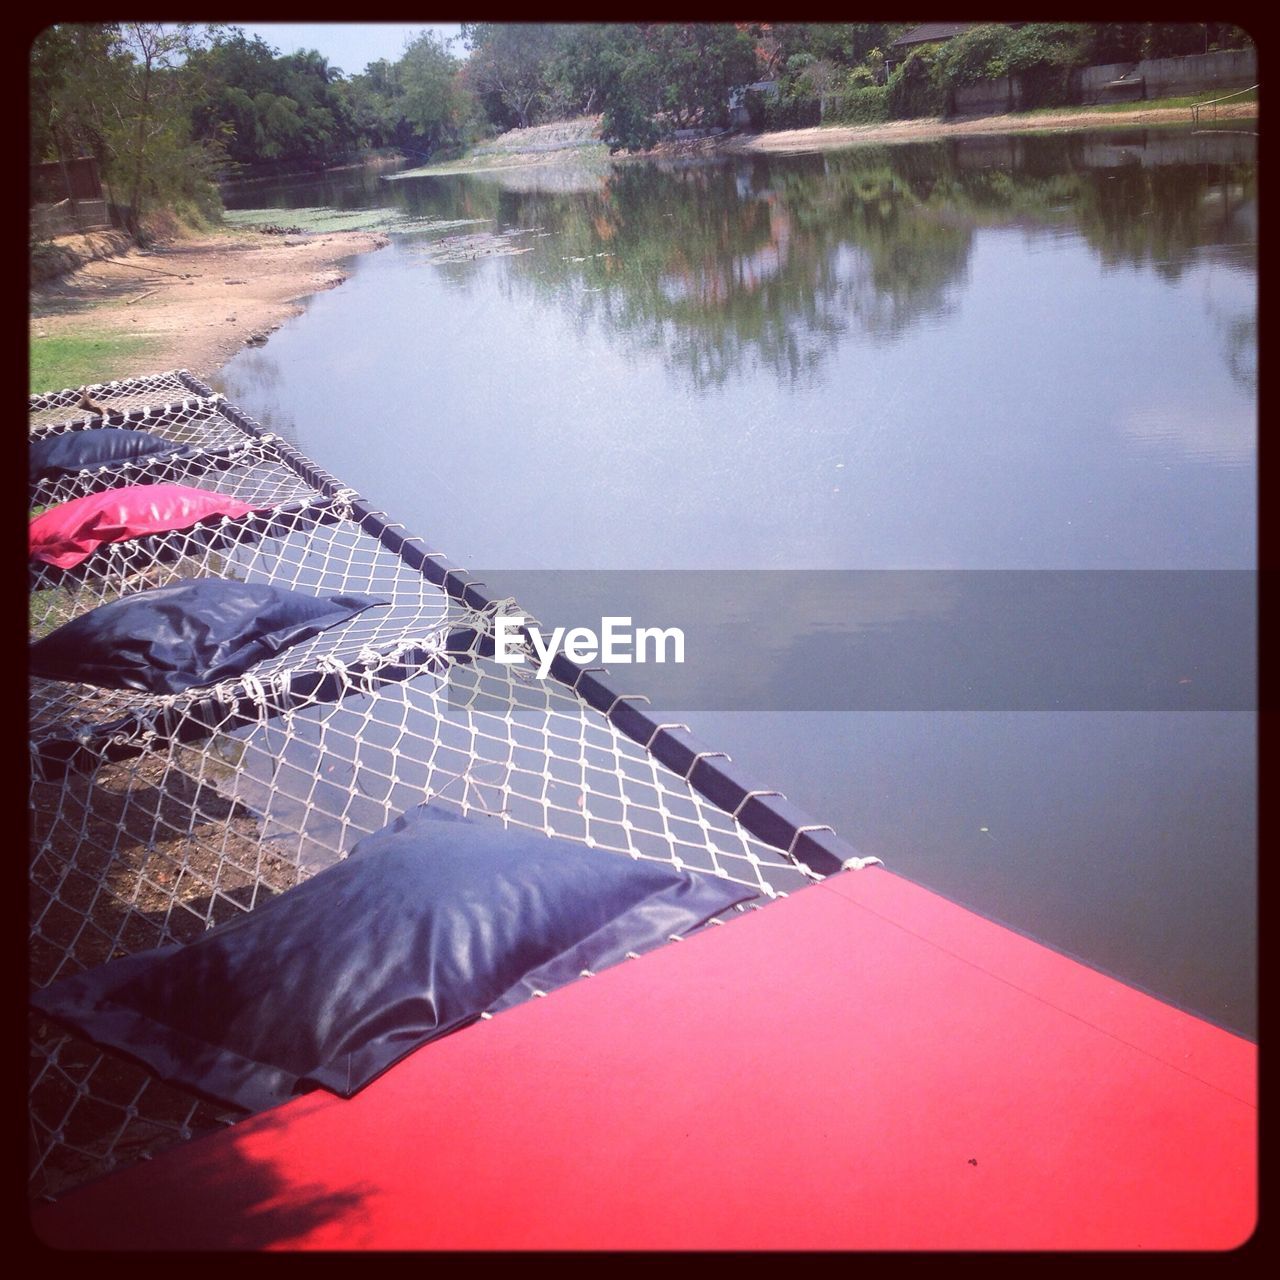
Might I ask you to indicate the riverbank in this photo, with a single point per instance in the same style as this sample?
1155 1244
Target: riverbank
828 137
196 300
191 303
562 143
575 144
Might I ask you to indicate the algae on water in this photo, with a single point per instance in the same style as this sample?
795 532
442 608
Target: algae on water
319 219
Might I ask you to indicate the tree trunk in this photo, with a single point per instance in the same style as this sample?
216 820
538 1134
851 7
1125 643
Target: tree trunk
139 164
66 173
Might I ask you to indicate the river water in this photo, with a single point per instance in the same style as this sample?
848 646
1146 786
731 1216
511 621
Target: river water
996 353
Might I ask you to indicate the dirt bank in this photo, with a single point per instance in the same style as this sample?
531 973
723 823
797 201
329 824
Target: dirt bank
53 258
198 299
830 136
573 145
562 143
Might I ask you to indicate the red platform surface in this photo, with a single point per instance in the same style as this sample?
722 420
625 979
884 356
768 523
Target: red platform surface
862 1066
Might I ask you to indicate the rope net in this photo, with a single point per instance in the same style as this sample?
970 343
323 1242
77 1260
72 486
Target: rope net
58 407
157 817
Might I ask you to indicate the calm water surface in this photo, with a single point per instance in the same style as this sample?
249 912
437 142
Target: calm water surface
1000 353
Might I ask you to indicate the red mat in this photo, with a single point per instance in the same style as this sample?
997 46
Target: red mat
862 1066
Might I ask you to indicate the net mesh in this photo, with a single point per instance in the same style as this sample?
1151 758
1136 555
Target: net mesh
58 407
155 818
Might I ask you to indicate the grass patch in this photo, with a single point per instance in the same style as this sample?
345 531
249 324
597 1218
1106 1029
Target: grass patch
74 361
47 610
1150 104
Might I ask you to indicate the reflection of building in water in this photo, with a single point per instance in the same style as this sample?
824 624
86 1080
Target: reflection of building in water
713 282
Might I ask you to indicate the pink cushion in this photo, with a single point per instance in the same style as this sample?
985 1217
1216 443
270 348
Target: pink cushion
70 532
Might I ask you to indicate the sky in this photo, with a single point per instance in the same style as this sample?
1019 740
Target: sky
350 46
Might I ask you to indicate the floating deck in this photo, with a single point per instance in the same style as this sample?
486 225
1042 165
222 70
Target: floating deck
861 1066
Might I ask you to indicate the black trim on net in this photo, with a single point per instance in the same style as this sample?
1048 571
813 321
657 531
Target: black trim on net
766 815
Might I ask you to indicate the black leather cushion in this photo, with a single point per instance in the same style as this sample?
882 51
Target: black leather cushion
430 922
192 632
94 447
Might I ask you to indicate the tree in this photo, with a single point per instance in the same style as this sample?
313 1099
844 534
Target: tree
1109 42
656 77
154 126
418 103
509 67
579 70
235 73
1174 39
375 98
75 73
820 79
846 44
1041 54
430 99
124 93
258 105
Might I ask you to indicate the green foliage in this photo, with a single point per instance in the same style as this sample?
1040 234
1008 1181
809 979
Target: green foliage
1042 54
993 50
510 68
1173 39
698 64
658 77
579 68
257 105
821 66
845 100
1108 42
791 111
846 44
73 74
913 91
981 53
628 125
296 111
866 105
434 105
1059 44
124 93
1226 35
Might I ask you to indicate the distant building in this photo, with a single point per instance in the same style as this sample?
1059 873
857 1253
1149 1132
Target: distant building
738 116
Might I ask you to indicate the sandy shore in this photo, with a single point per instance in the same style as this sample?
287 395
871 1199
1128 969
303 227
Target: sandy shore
200 299
536 146
830 136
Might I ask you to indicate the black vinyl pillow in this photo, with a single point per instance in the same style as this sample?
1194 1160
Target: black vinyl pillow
195 631
93 447
430 922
